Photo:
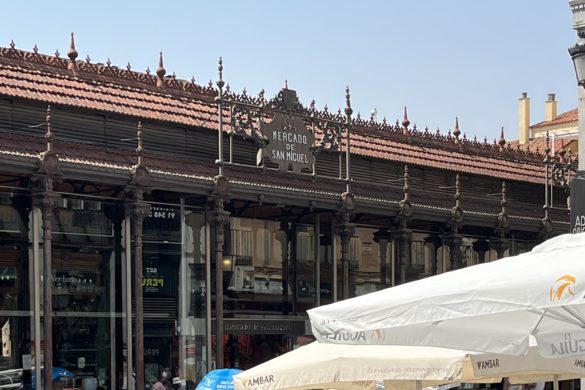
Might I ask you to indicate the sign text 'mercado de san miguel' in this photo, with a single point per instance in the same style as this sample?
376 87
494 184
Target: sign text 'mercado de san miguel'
289 140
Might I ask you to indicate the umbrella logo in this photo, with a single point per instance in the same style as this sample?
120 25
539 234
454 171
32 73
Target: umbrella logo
378 334
563 285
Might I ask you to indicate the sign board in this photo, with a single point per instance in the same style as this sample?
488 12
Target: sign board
578 205
289 140
262 326
159 280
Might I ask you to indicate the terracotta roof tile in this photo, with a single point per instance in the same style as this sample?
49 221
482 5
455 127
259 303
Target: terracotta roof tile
562 119
110 89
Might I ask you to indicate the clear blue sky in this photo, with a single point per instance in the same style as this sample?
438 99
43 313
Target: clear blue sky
441 59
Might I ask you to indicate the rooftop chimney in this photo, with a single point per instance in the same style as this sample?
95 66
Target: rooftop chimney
551 108
524 118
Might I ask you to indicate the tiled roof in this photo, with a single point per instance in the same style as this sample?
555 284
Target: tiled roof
563 119
97 158
539 143
107 88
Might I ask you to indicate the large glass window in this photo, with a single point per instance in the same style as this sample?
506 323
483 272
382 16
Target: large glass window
193 297
269 267
87 290
369 265
16 286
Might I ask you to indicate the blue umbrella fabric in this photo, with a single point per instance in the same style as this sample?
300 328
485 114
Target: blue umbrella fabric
57 373
221 379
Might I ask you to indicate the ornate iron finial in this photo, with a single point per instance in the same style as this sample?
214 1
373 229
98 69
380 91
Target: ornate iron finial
193 80
57 54
485 141
12 44
348 109
285 84
160 71
503 220
129 67
405 121
139 148
456 211
147 71
228 89
438 131
49 134
326 109
139 174
35 49
427 129
457 191
72 54
502 140
406 188
404 204
220 83
503 202
456 131
49 160
87 59
109 63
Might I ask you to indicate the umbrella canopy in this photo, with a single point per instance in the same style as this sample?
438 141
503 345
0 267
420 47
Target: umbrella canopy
338 366
492 307
221 379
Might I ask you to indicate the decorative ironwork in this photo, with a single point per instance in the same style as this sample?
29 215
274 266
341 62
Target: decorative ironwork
286 100
331 139
560 169
246 122
561 173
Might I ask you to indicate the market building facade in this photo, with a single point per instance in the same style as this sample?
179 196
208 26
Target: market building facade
186 227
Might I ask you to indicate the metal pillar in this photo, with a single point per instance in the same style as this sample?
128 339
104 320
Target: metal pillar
138 210
403 239
345 230
219 218
47 201
481 247
453 241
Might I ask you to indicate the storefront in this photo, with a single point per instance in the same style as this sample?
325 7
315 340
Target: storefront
166 255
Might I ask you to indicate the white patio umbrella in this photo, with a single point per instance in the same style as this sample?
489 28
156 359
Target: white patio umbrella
337 366
491 307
